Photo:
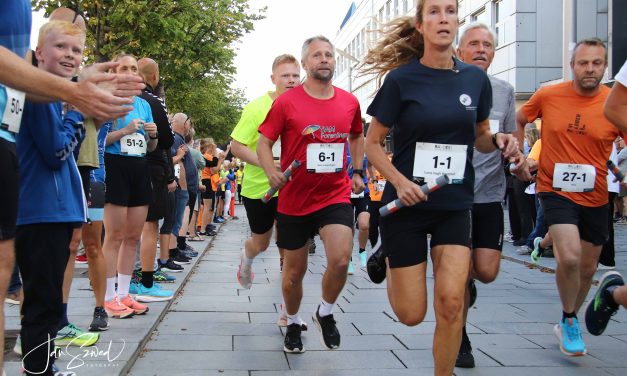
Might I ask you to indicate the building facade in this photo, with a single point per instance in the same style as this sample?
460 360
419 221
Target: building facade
534 38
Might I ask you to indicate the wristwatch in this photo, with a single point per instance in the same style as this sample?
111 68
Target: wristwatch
358 171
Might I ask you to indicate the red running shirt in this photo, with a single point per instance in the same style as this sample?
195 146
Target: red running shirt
300 120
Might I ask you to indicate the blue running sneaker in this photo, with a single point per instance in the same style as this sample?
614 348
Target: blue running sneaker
153 294
133 289
569 335
363 259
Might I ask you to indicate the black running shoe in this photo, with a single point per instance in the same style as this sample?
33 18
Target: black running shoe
170 266
602 307
329 336
465 359
376 267
472 288
312 247
178 257
100 321
293 343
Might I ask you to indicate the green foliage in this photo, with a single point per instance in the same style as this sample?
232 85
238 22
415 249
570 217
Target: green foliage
191 40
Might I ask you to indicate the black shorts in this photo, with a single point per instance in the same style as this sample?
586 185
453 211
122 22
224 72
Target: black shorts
127 181
591 221
96 201
9 189
84 173
159 181
260 216
404 233
170 213
208 194
360 205
487 226
220 194
294 231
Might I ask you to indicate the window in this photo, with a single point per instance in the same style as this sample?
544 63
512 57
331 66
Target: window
501 13
405 6
388 11
381 15
481 16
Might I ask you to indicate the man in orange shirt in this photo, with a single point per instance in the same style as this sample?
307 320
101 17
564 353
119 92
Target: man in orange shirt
571 180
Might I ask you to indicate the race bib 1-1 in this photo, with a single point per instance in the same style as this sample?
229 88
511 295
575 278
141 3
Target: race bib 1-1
574 177
434 160
133 144
13 110
325 158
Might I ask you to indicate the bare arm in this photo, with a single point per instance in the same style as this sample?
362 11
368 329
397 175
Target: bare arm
407 191
244 153
100 95
615 108
266 160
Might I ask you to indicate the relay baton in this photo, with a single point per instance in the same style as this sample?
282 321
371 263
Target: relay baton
287 173
396 205
618 173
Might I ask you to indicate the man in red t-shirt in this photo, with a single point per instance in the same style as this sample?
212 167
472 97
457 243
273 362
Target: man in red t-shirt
571 181
314 121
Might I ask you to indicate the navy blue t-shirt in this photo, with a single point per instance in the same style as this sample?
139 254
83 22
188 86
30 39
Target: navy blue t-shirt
438 106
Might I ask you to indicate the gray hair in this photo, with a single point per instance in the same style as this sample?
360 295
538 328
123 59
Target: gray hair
477 25
588 42
309 41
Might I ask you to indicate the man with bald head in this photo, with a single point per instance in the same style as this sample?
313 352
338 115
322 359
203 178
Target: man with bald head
162 178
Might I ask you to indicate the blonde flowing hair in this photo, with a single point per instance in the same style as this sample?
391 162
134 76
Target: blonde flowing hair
399 44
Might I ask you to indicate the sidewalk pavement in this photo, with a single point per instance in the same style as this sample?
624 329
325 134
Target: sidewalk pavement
214 327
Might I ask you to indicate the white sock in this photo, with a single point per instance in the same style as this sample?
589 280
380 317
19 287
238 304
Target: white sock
124 283
246 260
325 308
110 292
294 319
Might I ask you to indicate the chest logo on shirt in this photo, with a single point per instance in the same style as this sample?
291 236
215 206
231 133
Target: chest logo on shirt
465 100
327 132
577 127
310 129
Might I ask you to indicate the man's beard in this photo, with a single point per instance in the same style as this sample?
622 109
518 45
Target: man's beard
321 77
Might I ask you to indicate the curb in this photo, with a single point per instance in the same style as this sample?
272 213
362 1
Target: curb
142 344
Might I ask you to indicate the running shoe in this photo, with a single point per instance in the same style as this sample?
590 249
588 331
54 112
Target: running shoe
100 321
138 308
363 259
116 309
351 269
133 287
170 266
472 289
163 277
376 267
329 335
13 298
282 320
189 251
569 336
293 343
73 336
81 259
602 307
538 251
179 258
605 267
465 359
153 294
245 273
523 250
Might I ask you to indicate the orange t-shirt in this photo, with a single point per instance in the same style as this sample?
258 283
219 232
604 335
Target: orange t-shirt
535 151
376 195
574 131
215 178
206 172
